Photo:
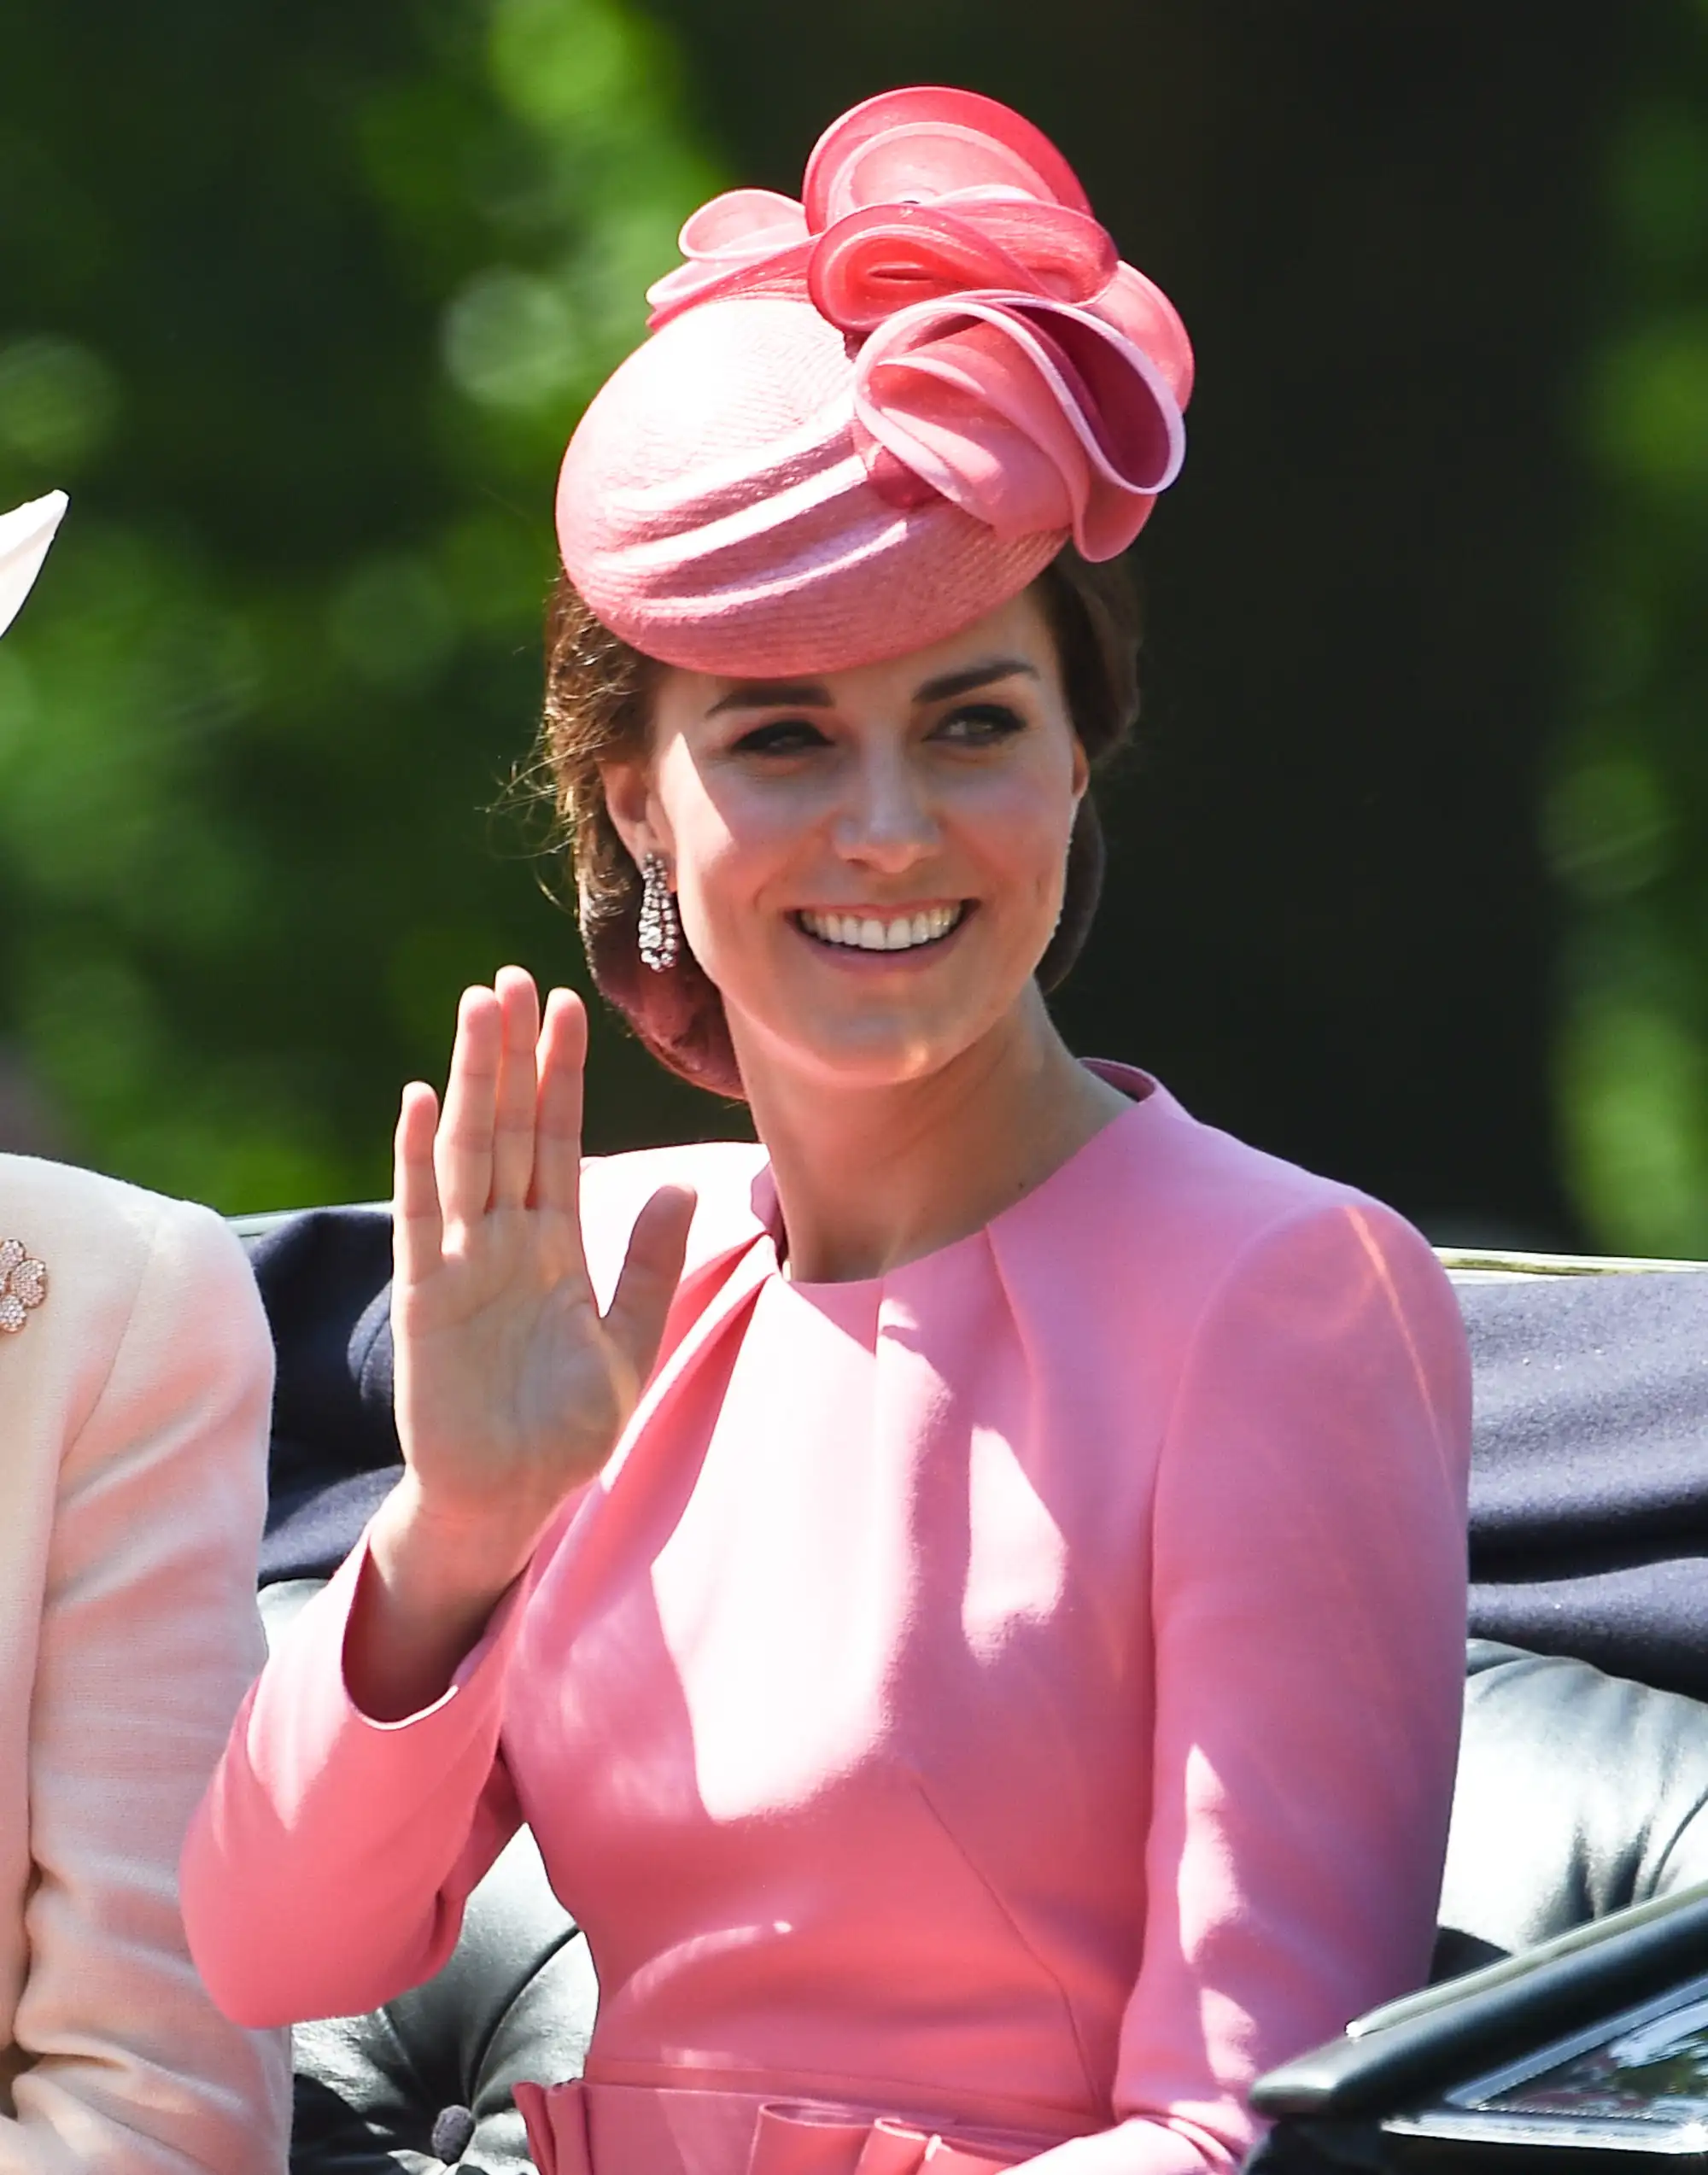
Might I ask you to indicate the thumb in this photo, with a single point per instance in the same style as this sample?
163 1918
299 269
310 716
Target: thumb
652 1270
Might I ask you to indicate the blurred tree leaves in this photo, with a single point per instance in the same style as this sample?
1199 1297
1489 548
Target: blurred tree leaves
1626 821
300 301
301 307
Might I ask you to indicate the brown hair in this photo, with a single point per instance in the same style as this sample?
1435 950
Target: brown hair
598 710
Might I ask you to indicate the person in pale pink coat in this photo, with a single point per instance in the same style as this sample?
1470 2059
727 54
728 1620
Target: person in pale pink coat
968 1593
135 1373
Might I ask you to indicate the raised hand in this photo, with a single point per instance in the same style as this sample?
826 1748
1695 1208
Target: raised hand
511 1386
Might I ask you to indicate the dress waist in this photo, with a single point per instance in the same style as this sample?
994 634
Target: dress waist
587 2128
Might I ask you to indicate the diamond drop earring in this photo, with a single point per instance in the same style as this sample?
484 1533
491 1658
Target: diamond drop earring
660 933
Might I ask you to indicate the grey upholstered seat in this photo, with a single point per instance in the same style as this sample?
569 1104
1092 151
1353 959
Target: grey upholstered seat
1578 1795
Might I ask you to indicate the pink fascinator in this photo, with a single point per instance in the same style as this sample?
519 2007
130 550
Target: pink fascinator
865 419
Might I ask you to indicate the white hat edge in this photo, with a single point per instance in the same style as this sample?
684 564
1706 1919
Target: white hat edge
25 535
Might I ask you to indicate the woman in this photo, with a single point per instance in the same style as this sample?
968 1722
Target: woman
968 1593
135 1373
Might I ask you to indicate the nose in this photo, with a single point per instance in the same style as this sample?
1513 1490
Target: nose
886 821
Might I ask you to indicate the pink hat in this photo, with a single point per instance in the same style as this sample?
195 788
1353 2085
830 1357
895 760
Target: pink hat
866 419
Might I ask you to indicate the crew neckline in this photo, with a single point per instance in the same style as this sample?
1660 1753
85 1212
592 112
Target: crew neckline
1143 1093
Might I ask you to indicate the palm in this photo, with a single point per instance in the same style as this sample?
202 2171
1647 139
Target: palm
504 1346
511 1386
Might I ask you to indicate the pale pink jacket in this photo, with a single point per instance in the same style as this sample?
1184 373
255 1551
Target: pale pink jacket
1015 1698
133 1416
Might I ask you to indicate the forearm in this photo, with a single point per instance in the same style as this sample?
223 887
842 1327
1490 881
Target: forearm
327 1865
428 1591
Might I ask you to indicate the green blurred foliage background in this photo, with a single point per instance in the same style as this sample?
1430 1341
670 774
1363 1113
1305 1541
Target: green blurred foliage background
1625 816
300 302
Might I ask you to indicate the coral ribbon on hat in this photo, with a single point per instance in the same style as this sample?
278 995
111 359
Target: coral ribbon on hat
1006 359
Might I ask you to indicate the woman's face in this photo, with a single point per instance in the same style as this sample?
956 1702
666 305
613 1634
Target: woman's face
868 864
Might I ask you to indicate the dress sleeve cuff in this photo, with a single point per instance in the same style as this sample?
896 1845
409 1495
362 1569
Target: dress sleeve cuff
309 1738
386 1825
478 1678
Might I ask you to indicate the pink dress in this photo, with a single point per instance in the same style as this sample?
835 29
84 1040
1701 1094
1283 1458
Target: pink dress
991 1710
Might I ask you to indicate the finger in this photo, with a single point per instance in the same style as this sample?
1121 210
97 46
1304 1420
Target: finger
558 1143
518 1088
417 1229
462 1150
650 1272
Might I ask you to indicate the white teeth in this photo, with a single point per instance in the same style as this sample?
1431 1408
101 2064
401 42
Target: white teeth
868 932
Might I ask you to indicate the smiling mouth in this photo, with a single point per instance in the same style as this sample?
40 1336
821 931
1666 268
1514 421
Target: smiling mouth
883 932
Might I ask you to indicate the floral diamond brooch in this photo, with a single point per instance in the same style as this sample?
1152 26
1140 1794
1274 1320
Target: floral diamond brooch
23 1284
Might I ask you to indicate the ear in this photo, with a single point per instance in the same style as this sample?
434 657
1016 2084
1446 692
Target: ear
633 807
1082 770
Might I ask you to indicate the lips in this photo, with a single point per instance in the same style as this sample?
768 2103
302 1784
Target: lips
889 932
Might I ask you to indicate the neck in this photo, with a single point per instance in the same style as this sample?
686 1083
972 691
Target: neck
870 1178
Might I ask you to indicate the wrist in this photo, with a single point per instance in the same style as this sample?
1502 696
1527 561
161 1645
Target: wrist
444 1555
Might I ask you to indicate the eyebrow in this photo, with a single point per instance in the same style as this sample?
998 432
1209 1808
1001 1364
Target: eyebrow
773 694
811 694
974 675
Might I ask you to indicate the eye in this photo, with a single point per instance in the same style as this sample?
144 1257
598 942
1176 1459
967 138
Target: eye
981 725
781 736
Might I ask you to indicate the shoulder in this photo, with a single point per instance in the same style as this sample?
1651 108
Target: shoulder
1181 1227
1286 1238
1158 1186
1315 1296
125 1267
1276 1323
110 1228
64 1201
1214 1174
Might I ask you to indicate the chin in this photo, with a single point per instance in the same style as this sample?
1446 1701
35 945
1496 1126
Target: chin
888 1066
842 1038
868 1055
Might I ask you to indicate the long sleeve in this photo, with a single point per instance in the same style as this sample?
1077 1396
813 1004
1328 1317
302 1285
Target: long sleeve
148 1636
1309 1600
328 1865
